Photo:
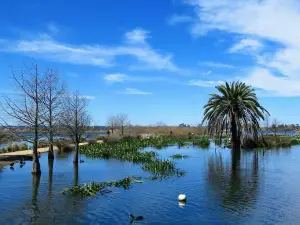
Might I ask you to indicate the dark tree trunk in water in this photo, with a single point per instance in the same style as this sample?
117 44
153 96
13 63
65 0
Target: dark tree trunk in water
236 145
235 139
75 174
36 168
51 153
76 153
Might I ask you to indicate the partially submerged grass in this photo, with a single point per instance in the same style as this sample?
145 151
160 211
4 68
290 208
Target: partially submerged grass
129 148
179 156
271 141
93 188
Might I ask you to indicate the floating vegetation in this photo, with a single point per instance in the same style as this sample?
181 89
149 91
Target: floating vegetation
93 188
179 156
202 142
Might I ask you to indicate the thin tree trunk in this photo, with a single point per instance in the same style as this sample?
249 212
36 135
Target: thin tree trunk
51 152
36 169
76 153
122 128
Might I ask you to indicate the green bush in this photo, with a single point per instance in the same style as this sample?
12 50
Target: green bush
23 146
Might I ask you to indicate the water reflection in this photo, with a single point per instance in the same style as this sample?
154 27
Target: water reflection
235 182
34 202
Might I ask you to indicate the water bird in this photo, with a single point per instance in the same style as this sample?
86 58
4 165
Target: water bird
22 161
81 161
182 197
136 217
12 164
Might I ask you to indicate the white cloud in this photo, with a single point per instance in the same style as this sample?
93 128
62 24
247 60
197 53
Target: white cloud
133 91
89 97
137 36
217 65
103 56
202 83
176 19
273 22
278 86
247 46
115 78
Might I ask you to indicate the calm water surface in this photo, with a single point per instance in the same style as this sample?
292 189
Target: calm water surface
264 189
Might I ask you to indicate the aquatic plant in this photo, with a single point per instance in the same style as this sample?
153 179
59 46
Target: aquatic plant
202 142
92 188
179 156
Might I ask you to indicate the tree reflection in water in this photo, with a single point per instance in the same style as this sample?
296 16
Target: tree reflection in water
34 202
235 182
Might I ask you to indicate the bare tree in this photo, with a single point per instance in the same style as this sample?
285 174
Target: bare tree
26 110
54 93
275 124
122 121
160 124
75 120
112 123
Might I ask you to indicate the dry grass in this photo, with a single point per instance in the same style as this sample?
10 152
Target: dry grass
166 130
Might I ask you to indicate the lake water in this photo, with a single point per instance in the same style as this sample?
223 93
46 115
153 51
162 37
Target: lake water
264 189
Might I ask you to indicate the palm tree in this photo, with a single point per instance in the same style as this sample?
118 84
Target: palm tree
235 108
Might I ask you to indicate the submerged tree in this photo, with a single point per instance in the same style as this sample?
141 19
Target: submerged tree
54 93
235 108
24 109
74 120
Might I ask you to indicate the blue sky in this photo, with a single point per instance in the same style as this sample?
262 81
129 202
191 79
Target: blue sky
158 60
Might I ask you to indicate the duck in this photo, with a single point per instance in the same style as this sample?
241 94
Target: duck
136 217
81 161
182 197
12 164
22 162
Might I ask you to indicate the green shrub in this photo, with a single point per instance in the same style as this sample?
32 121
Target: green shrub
23 146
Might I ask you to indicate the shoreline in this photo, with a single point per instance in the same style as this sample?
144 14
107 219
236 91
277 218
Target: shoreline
4 157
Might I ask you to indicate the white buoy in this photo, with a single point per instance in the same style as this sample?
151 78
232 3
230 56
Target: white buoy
182 197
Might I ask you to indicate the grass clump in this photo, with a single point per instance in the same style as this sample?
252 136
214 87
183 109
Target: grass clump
202 142
93 188
179 156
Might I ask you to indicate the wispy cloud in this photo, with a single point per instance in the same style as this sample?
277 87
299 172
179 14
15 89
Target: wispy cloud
89 97
45 47
115 78
176 19
137 36
133 91
217 65
203 83
276 61
246 46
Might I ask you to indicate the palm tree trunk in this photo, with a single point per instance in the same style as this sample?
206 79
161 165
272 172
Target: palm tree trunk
76 153
235 140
